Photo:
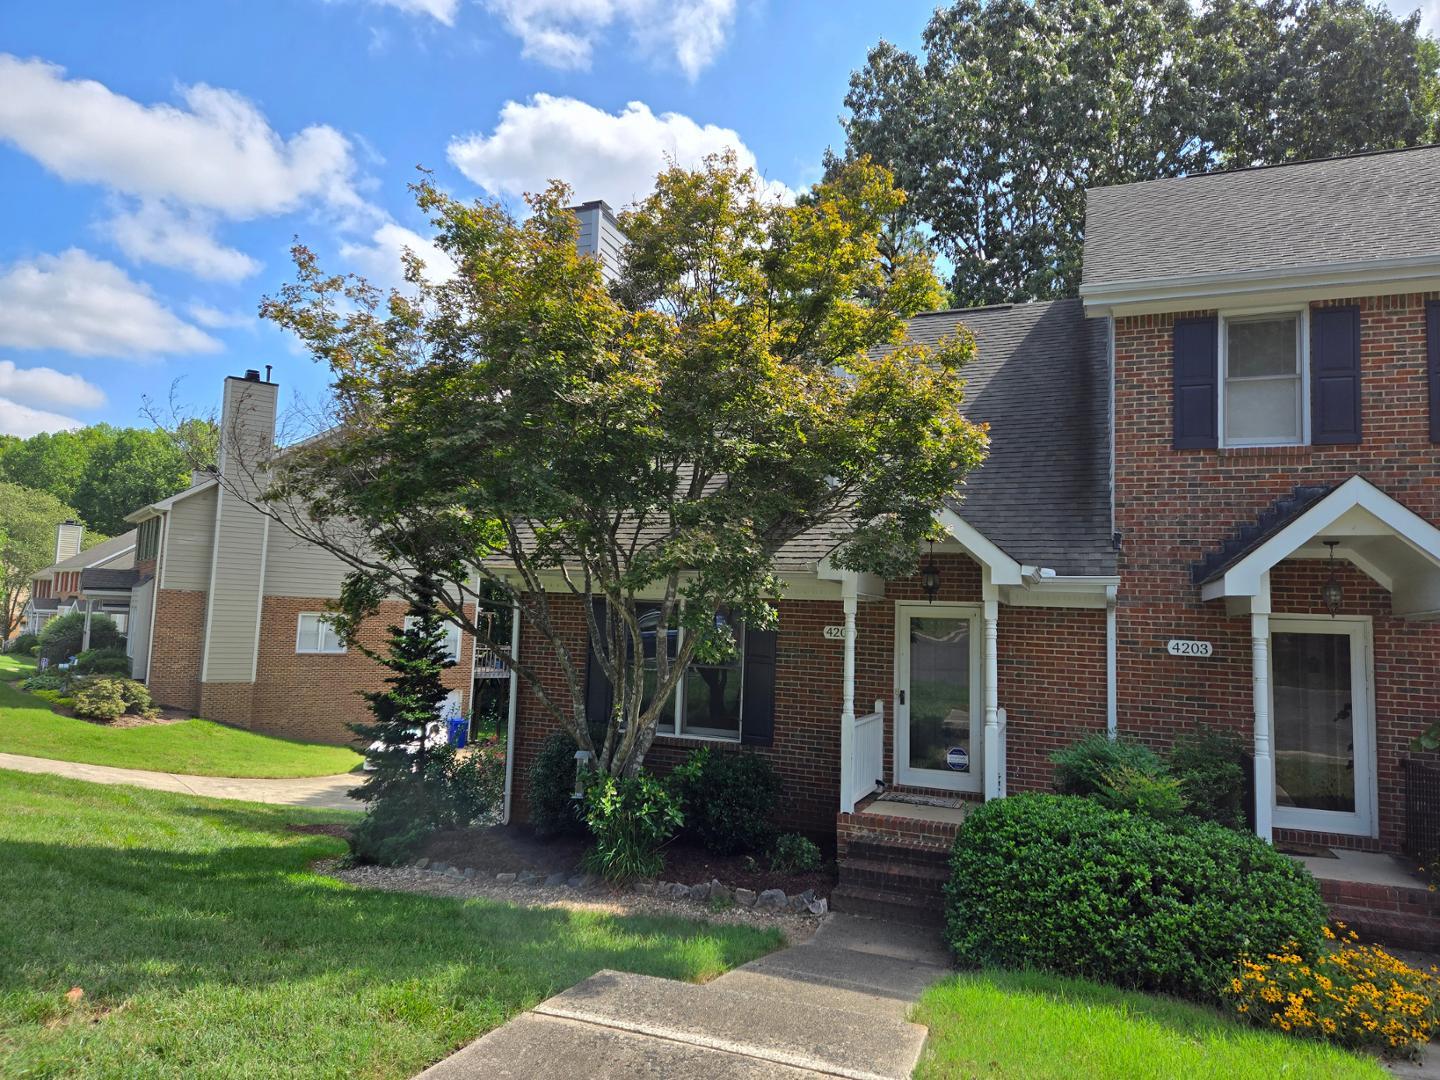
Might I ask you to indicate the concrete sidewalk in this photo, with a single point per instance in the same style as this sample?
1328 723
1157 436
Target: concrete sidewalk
317 792
833 1006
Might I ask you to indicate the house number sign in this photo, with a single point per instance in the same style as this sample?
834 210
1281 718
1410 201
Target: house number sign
834 633
1179 647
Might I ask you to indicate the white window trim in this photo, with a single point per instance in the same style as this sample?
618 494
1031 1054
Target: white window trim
1302 347
677 711
450 629
299 624
1365 821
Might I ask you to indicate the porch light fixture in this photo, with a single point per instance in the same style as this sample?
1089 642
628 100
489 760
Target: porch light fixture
930 576
1332 593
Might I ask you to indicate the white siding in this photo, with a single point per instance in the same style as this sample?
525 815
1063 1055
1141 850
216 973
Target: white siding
189 540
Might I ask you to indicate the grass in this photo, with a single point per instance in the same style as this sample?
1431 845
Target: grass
1036 1026
205 946
195 747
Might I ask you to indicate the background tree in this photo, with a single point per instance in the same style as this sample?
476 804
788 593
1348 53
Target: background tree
27 545
1015 107
529 433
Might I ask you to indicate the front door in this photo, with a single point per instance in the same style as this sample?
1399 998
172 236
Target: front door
937 700
1323 727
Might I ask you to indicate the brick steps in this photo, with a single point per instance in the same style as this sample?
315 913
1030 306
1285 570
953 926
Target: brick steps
1394 915
893 867
886 904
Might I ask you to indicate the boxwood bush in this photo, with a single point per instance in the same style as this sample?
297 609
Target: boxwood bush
729 799
554 810
1063 884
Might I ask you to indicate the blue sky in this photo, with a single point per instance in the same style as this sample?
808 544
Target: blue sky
157 158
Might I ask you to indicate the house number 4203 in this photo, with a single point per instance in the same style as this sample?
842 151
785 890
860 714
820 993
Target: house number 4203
1189 648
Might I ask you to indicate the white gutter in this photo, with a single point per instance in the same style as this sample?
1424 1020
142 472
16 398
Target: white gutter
514 708
1112 717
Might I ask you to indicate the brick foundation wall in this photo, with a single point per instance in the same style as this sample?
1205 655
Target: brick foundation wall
1052 684
1174 506
175 653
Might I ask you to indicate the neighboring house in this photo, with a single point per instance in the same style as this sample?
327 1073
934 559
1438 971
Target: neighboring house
97 579
1247 389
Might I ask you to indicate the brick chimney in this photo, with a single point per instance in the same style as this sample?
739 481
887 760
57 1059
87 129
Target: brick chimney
68 538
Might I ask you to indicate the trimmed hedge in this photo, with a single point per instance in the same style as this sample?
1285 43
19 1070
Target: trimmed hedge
1062 884
729 799
554 810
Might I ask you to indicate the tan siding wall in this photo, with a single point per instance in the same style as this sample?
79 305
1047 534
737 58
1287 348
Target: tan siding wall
189 537
294 567
142 599
235 592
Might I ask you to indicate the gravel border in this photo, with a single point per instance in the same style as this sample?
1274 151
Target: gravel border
589 894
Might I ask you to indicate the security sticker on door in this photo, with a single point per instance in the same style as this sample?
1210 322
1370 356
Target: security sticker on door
957 758
1180 647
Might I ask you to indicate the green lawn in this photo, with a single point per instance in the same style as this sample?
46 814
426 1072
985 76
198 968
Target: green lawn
205 947
1024 1024
197 747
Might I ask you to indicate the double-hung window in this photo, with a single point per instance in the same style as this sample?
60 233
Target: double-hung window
1264 401
314 634
710 700
452 638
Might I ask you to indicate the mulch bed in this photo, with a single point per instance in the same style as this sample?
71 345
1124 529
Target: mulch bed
505 848
322 829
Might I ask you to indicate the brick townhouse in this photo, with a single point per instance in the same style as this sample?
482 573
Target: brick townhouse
1211 502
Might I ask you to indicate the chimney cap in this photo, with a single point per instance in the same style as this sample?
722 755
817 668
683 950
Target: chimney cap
252 374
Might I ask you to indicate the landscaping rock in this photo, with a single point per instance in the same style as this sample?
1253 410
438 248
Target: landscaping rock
505 879
469 872
576 882
771 900
818 906
745 897
454 871
588 881
721 892
421 864
556 879
643 888
527 877
700 892
679 892
439 867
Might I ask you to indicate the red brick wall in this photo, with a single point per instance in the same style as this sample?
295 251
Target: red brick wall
1052 683
176 648
1174 506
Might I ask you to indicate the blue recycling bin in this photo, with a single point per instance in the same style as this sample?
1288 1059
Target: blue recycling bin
457 731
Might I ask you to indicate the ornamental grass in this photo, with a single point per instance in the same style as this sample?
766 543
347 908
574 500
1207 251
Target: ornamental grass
1355 995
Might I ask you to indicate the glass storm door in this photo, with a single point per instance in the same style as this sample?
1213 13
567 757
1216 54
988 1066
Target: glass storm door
937 729
1320 716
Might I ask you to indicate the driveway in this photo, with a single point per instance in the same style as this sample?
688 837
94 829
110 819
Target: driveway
317 792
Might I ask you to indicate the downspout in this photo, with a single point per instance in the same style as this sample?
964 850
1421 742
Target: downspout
1112 719
514 708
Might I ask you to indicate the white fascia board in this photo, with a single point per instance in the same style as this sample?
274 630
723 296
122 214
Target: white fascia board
1003 569
1245 577
1096 592
1325 281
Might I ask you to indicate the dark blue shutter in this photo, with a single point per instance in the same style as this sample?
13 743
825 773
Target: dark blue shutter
599 694
757 710
1432 357
1197 384
1335 376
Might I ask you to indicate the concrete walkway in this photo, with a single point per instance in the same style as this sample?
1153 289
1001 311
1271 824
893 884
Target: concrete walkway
833 1006
319 792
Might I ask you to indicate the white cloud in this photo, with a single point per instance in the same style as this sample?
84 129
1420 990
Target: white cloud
155 233
610 156
212 318
380 260
565 33
89 307
21 420
46 386
441 10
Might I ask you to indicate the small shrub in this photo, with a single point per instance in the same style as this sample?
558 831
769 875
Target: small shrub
1209 766
554 810
473 781
45 680
395 827
62 638
1081 768
794 854
1063 884
1356 995
631 819
101 699
24 644
109 661
1134 791
728 799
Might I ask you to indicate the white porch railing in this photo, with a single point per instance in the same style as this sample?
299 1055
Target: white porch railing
865 768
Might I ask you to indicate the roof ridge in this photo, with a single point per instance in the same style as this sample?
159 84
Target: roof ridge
1269 166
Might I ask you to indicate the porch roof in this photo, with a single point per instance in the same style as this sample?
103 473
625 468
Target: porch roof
1391 543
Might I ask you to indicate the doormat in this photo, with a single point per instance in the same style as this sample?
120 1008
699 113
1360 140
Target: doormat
1309 851
920 800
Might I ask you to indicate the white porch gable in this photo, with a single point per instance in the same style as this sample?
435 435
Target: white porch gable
1393 545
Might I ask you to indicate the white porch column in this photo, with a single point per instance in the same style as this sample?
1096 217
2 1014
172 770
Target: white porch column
994 761
847 707
1264 766
85 637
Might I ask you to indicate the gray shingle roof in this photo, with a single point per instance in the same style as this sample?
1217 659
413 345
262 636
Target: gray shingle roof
101 578
1040 381
1363 208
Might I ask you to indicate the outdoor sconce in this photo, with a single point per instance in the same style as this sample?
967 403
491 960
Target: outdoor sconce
1332 593
930 576
582 767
